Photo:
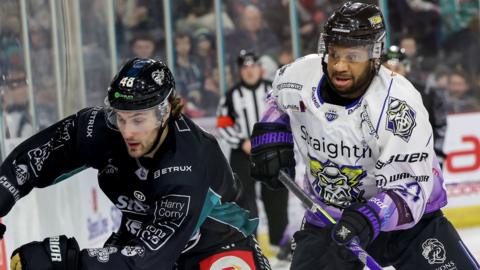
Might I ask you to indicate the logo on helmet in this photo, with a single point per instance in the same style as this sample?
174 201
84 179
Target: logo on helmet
376 21
120 95
158 76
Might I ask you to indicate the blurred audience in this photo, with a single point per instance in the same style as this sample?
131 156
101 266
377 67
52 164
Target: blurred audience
189 78
17 118
144 45
253 34
461 95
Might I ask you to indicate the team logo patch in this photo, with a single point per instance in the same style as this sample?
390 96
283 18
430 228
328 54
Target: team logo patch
433 251
102 254
158 76
170 213
142 173
337 185
375 21
173 208
331 115
229 260
131 251
400 118
139 195
21 171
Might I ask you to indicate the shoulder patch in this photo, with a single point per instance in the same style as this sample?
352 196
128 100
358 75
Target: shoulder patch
400 118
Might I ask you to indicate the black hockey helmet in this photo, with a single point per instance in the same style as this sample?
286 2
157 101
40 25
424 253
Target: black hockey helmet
246 58
355 24
141 84
394 53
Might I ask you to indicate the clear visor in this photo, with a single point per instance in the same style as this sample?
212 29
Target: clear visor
137 120
348 49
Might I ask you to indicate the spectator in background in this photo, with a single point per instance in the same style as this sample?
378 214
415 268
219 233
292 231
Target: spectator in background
189 76
463 47
141 16
253 35
205 50
10 41
285 56
194 15
238 111
144 45
18 122
414 62
418 18
434 98
461 93
457 15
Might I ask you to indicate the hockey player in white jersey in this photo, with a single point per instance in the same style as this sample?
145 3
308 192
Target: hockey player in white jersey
364 134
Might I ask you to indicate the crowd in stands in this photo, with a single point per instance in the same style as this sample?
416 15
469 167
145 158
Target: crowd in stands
439 36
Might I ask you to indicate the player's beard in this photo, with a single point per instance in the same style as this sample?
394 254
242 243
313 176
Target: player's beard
358 86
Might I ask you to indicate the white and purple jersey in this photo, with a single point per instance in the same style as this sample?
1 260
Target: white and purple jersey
377 150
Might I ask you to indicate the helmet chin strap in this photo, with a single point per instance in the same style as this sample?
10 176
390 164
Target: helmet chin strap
159 136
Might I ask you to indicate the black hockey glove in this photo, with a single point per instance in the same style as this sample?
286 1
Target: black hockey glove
360 222
272 150
53 253
3 228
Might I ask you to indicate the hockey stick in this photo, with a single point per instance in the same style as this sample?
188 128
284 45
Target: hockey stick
361 254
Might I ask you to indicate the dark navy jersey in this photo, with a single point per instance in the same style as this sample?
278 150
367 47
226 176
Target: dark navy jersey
181 200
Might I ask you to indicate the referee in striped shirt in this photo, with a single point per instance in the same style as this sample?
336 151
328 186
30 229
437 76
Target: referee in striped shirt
239 109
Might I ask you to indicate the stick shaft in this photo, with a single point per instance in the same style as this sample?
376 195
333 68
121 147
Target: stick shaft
361 254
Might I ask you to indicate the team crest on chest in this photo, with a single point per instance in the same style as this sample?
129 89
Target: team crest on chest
331 115
400 118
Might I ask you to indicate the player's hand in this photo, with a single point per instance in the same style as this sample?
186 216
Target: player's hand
272 150
57 252
359 222
15 263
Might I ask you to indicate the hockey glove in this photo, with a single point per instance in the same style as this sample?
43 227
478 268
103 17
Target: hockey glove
272 150
53 253
359 222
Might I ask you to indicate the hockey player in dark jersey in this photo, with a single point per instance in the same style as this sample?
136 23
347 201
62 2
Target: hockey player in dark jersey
161 170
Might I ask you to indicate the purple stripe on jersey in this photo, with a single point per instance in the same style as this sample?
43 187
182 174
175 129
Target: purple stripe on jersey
383 107
272 137
274 115
318 90
438 196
